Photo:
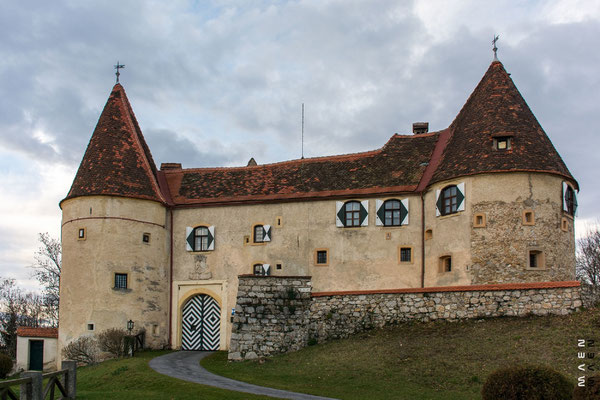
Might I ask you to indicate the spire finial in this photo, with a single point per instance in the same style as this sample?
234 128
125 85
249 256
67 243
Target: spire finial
495 48
117 67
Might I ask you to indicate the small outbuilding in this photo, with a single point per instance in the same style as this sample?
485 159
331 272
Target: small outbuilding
36 348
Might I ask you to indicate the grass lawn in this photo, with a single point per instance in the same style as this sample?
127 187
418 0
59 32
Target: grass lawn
132 378
437 360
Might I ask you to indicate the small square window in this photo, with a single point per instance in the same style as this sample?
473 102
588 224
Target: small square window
90 327
446 264
120 281
502 143
406 254
479 220
278 266
536 259
146 238
528 217
81 234
321 257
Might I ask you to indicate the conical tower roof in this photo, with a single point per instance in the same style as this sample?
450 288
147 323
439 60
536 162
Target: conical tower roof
117 161
495 110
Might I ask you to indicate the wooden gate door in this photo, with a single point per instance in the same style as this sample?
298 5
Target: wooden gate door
36 355
201 324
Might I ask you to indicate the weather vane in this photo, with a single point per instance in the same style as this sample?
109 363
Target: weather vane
117 67
495 48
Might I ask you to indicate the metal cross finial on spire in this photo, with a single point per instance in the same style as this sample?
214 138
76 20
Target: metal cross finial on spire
117 67
495 48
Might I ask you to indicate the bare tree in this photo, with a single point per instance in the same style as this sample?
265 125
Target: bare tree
47 266
17 308
588 258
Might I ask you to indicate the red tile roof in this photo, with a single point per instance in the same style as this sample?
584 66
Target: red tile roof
117 161
25 331
396 167
497 109
468 288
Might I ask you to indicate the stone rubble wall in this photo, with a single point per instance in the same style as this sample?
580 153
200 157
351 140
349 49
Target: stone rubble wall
590 295
280 314
271 316
339 316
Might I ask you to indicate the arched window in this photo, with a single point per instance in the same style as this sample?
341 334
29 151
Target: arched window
391 213
449 200
201 238
258 234
570 203
352 213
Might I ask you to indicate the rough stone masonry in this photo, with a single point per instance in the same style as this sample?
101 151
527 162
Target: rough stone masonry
280 314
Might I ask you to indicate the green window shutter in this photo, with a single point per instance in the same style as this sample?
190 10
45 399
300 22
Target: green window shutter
267 233
404 212
211 238
364 213
460 196
379 213
438 203
189 238
340 216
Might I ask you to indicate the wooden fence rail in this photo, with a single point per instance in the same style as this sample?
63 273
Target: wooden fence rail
32 384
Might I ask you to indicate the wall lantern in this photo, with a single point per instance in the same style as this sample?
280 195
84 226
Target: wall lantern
130 326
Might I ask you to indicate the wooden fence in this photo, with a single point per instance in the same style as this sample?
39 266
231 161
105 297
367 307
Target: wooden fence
32 384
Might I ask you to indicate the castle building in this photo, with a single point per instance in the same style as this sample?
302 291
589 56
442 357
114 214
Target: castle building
486 201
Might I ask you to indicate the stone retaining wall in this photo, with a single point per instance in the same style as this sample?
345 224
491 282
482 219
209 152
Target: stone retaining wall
341 315
279 314
271 316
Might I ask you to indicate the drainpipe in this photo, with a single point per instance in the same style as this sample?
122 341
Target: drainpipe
171 279
422 241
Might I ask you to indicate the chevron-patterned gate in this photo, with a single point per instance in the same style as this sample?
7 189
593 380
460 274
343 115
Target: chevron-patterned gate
201 322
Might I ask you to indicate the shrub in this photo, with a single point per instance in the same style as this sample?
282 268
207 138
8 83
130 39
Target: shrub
112 341
527 382
590 391
6 365
84 350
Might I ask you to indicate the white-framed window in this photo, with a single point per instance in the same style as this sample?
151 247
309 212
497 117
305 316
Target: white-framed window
261 233
200 238
352 213
450 199
391 212
261 269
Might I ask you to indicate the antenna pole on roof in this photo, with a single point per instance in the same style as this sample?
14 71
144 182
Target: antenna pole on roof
302 130
495 48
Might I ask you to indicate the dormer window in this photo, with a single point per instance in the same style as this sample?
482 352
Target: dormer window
502 143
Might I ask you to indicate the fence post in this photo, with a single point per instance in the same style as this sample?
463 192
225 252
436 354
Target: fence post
70 378
35 389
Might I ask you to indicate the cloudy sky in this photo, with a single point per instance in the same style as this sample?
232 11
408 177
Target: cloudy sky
215 83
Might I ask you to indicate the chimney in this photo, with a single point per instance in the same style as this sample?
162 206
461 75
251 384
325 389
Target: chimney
420 127
169 166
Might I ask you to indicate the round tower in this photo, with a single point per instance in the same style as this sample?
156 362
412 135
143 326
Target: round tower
115 235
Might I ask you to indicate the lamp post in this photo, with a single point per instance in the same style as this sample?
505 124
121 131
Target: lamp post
130 326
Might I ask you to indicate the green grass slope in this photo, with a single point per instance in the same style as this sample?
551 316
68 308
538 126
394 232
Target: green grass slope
436 360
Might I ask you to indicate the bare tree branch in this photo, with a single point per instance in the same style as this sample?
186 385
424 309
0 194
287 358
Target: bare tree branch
47 267
588 258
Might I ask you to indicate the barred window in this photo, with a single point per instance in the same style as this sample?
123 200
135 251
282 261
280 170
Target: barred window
120 281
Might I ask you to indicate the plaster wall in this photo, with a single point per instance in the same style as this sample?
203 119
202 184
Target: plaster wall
498 252
113 243
50 351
